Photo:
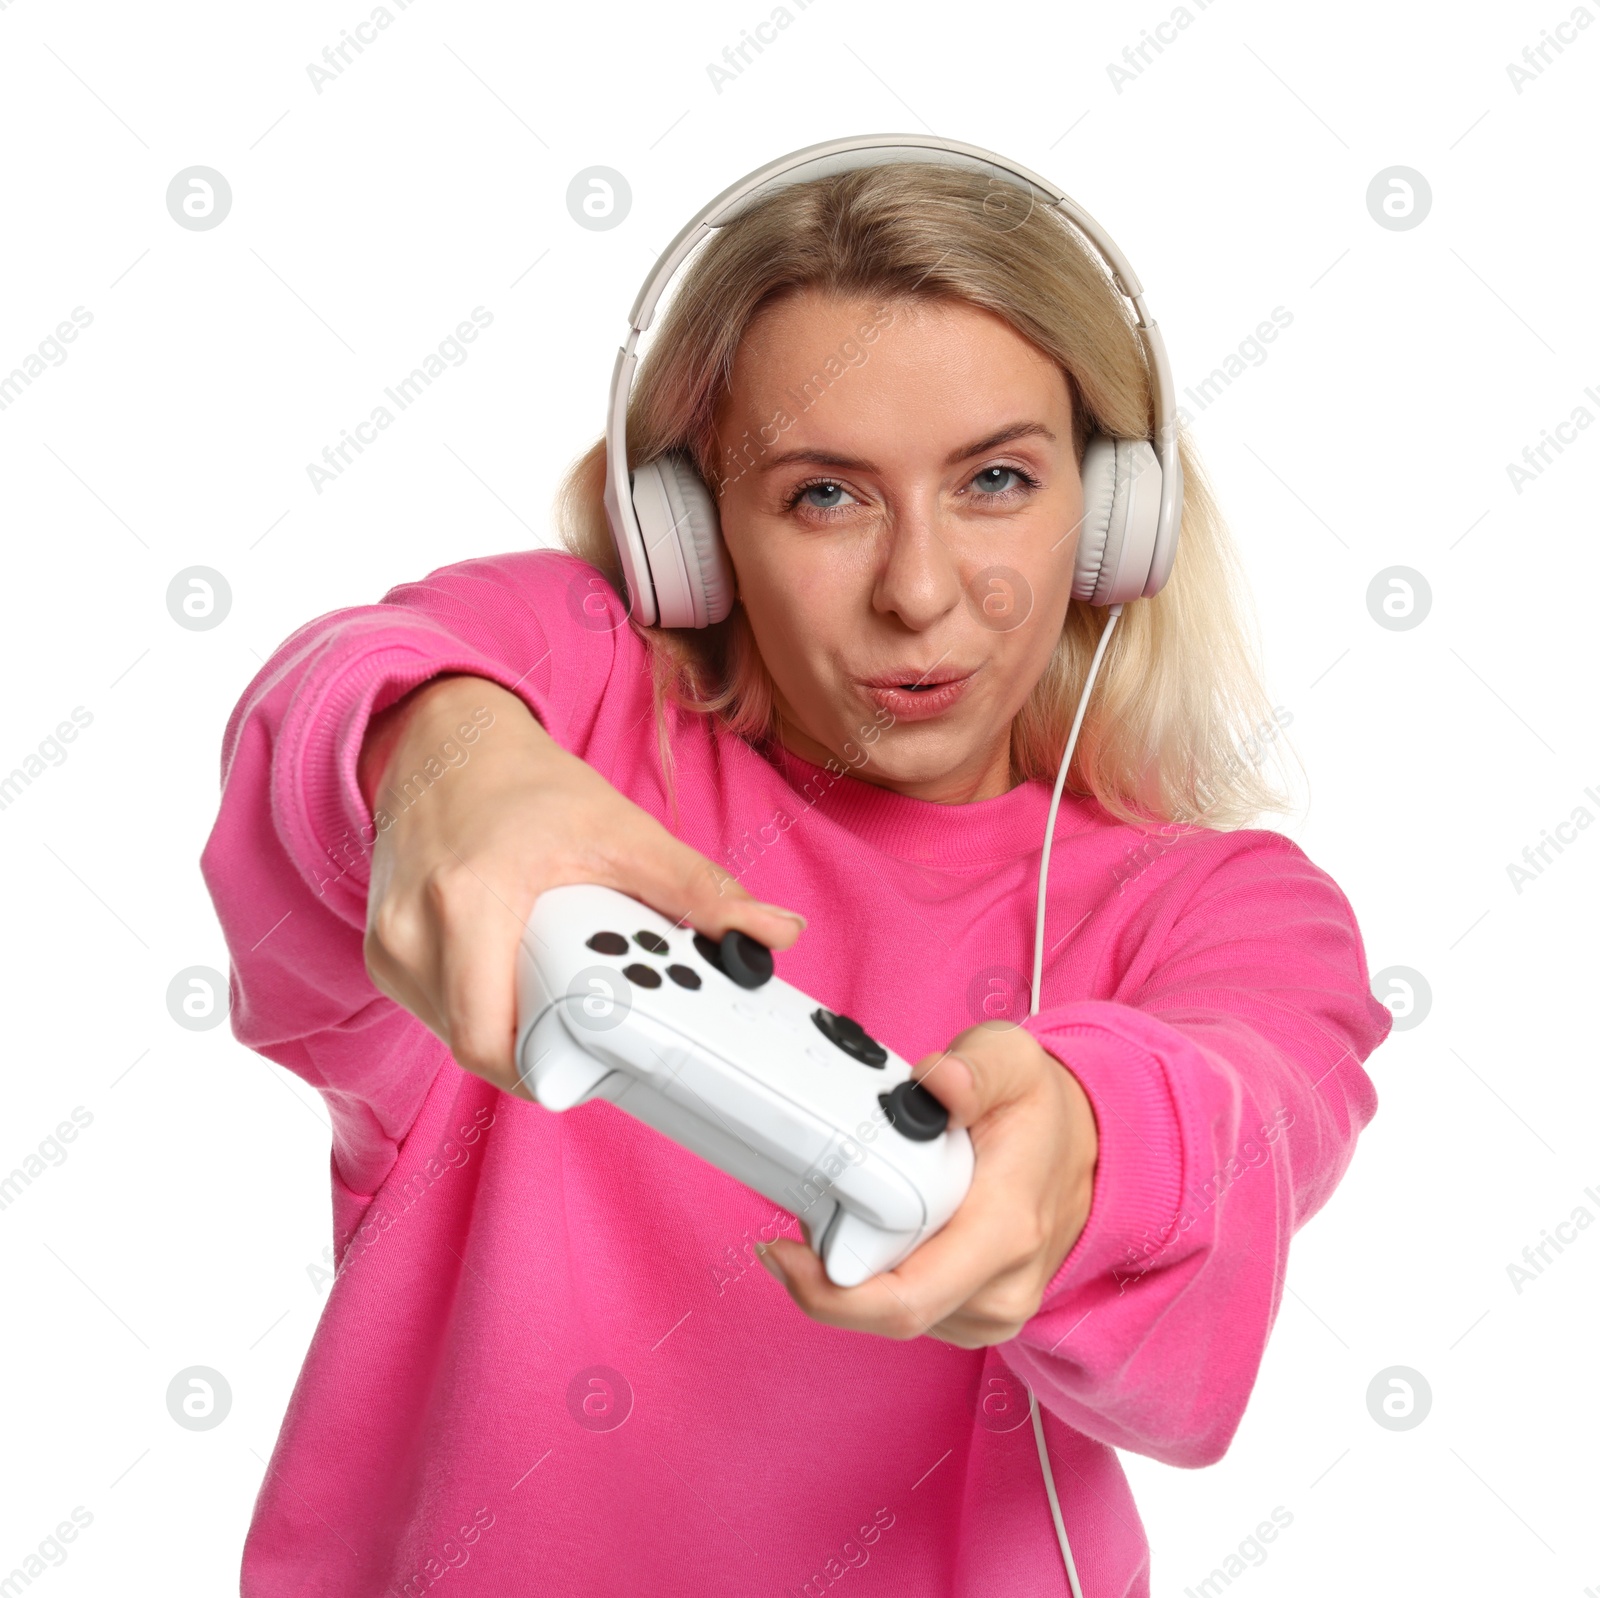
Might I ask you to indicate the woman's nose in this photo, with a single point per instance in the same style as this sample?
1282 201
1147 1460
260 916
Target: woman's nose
920 577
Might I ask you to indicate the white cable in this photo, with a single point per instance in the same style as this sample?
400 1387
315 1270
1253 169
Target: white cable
1033 1009
1050 1488
1055 805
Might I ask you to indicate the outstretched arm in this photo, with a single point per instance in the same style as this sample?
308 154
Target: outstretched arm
1143 1162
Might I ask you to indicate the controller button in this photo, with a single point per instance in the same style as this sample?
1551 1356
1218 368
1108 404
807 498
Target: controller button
608 943
643 976
914 1112
738 957
747 962
684 976
852 1037
651 942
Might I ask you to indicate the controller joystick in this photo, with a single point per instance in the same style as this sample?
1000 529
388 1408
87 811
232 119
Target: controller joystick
914 1112
738 957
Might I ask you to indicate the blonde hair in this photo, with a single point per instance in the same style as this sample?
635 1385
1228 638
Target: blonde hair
1178 694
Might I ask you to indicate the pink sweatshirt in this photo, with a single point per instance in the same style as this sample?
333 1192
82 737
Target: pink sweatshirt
549 1364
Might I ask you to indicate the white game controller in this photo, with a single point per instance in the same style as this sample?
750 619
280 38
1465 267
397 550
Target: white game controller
700 1041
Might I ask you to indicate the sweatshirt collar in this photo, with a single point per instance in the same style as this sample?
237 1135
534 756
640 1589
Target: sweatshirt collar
983 831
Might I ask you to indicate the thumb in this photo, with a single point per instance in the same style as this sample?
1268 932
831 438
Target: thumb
976 1074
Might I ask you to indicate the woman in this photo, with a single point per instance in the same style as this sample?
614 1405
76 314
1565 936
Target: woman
546 1364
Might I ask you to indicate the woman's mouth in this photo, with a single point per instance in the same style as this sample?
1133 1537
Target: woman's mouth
917 696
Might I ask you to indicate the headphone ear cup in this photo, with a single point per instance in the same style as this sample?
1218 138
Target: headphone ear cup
1121 506
689 567
1099 475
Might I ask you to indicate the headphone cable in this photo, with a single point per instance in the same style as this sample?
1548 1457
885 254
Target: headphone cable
1033 1009
1055 805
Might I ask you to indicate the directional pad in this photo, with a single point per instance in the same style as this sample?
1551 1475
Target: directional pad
850 1036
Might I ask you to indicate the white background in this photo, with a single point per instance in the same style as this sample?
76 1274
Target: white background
430 178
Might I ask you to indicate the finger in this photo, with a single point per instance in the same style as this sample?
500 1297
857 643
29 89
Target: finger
396 982
683 884
978 1263
983 1069
880 1305
996 1313
411 972
909 1301
477 976
950 1079
401 959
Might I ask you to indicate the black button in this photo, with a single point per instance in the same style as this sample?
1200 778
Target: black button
609 943
738 957
651 942
850 1036
684 976
914 1112
644 976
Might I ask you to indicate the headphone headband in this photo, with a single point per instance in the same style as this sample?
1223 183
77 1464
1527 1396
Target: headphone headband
825 160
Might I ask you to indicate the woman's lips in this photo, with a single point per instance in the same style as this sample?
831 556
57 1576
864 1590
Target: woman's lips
921 703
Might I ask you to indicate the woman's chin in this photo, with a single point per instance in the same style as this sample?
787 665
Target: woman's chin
927 761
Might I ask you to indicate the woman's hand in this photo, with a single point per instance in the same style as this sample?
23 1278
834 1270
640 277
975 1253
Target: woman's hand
977 1280
512 813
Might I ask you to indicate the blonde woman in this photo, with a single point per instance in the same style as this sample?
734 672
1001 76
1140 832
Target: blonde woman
548 1363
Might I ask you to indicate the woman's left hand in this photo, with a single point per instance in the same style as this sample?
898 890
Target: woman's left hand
978 1279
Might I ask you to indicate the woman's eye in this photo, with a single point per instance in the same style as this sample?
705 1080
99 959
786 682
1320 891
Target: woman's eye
993 480
821 496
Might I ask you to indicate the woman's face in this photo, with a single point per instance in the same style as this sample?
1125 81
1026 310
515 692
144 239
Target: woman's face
901 502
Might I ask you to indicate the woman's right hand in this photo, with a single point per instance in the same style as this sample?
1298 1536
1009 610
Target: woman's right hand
455 875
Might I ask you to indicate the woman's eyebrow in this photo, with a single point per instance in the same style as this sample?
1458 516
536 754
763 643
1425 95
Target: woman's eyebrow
1004 435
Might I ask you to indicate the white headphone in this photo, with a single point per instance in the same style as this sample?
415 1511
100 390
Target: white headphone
676 566
664 521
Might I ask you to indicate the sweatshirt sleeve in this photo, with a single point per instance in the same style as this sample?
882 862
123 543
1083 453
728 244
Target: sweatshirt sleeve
287 860
1227 1084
